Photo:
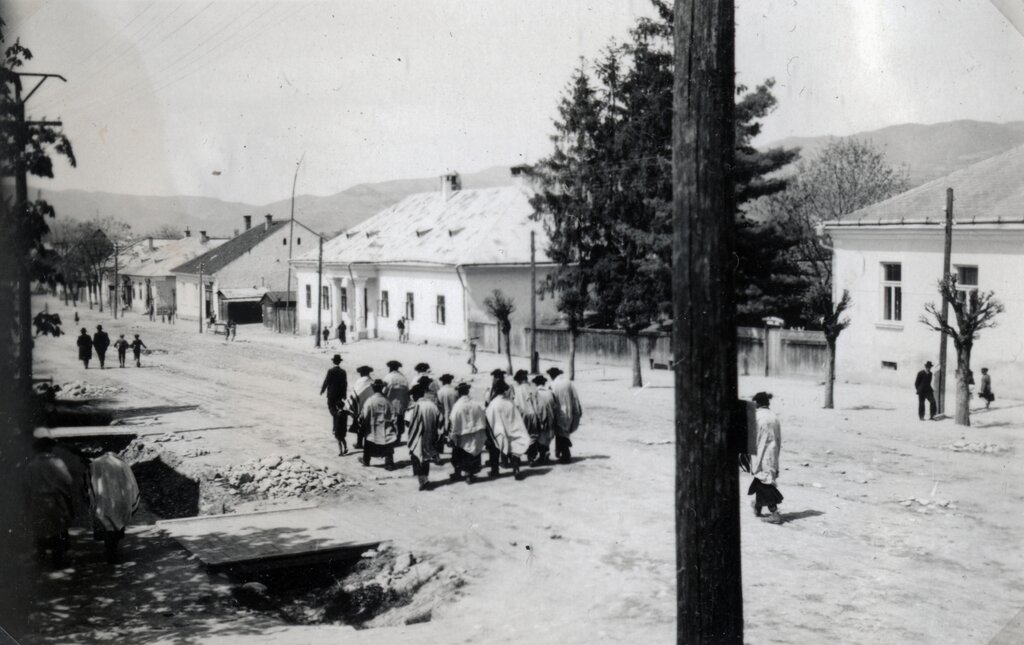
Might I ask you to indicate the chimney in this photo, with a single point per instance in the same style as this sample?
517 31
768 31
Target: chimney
450 184
203 238
270 220
188 233
150 240
248 221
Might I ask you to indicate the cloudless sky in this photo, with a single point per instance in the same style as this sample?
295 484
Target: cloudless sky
222 98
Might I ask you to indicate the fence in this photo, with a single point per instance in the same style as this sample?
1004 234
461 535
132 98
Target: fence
790 352
278 319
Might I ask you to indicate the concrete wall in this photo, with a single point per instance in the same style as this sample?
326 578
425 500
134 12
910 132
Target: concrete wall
513 282
999 255
187 295
265 266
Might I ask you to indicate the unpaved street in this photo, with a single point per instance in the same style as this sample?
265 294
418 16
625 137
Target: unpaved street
895 532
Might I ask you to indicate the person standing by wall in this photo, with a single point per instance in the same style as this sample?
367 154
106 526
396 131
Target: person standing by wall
342 328
401 329
336 386
923 385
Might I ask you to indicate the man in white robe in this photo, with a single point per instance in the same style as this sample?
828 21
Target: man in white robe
764 465
572 412
114 498
507 431
469 434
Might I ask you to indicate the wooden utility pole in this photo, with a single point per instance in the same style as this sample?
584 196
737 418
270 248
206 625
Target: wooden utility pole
319 287
534 359
291 232
117 285
202 296
709 592
947 252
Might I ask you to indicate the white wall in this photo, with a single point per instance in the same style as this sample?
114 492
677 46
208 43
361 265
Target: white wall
266 264
860 252
187 295
514 282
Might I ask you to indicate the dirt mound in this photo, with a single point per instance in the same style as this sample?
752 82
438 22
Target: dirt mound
975 447
83 390
278 477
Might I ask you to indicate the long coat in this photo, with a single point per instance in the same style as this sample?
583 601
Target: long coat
469 425
765 463
923 383
101 341
446 398
549 415
505 423
114 493
84 347
524 396
423 422
50 495
396 389
569 402
378 421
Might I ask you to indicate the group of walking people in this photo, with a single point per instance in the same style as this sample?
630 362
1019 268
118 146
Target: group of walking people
100 343
514 423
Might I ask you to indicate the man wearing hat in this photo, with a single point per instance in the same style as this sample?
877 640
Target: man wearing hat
572 412
469 434
524 396
101 341
549 415
424 421
396 389
446 398
336 386
496 376
85 347
378 420
923 385
362 389
508 434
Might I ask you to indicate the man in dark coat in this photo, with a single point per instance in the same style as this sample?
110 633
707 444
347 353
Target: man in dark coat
101 341
342 328
336 386
923 385
85 347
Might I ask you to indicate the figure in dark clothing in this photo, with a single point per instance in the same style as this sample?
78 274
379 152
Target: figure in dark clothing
986 388
76 317
101 341
234 330
342 328
401 329
923 385
336 387
326 334
85 347
137 346
121 345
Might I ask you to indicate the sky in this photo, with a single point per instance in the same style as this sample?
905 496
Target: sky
222 98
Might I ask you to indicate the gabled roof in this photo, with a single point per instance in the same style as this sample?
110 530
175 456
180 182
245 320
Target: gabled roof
134 252
169 256
992 189
218 258
243 293
479 226
279 297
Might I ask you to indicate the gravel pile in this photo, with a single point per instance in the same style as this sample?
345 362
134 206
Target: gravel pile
975 446
82 390
925 506
277 477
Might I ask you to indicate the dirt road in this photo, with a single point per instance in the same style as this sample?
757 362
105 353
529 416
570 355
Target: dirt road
894 534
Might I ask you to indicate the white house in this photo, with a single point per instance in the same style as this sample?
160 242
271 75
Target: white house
433 258
236 274
890 255
150 280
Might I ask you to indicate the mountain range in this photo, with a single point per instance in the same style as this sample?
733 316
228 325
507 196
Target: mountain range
927 151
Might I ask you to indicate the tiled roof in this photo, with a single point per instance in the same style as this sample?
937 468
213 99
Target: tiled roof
170 256
479 226
243 293
218 258
992 189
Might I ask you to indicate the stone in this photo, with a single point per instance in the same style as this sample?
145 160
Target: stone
404 561
270 462
245 478
817 485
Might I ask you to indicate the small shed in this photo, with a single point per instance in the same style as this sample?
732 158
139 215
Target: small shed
241 306
278 310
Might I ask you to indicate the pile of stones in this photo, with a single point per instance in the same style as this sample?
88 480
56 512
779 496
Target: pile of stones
926 506
278 477
80 390
975 446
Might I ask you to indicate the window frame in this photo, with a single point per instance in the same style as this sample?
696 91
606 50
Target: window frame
309 296
343 295
383 305
892 295
410 305
440 312
325 297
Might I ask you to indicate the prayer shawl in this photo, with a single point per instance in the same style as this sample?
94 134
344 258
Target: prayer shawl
50 496
569 402
423 422
396 389
765 464
524 396
469 425
378 421
446 398
548 415
361 391
114 492
508 432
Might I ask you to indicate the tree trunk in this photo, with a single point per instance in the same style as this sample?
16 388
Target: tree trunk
572 355
830 378
508 351
963 392
99 291
634 341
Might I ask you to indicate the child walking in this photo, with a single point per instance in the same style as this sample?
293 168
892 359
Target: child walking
137 346
122 349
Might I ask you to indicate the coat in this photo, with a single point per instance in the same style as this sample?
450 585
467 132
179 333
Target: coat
50 505
765 463
423 423
335 384
469 425
446 398
569 402
101 341
923 383
549 414
506 427
396 389
524 396
114 493
378 421
84 347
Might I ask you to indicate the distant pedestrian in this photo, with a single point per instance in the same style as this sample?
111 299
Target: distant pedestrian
401 329
50 499
227 330
114 498
326 334
396 389
378 419
469 434
234 330
923 385
764 465
76 317
572 412
171 314
121 345
986 388
100 342
472 355
336 386
424 422
342 328
85 347
137 346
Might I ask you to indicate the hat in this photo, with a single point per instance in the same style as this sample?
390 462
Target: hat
446 378
364 370
393 365
927 363
424 380
539 380
554 372
762 399
417 391
521 376
462 388
499 387
136 335
422 367
99 327
336 359
498 373
122 336
378 386
84 330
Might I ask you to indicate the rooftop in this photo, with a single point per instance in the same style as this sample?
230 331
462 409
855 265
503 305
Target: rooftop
169 256
218 258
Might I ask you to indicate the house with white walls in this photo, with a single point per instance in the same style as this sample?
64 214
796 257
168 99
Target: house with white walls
432 258
149 281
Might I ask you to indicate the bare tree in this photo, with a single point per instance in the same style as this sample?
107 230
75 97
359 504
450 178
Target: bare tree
166 232
973 310
501 307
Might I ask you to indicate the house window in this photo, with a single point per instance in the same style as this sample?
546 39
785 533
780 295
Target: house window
385 306
309 297
440 313
298 240
892 291
284 241
410 308
325 297
344 298
966 283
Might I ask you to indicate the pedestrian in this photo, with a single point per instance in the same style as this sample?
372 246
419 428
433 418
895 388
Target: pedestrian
549 415
424 418
227 330
923 385
171 314
234 330
76 317
469 434
326 334
85 347
121 345
100 342
764 465
37 322
497 376
524 396
401 329
572 412
396 389
362 389
446 398
507 432
336 386
49 504
986 388
472 355
137 346
378 418
342 328
113 499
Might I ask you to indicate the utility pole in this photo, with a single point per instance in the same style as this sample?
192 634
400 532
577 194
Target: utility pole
947 252
319 287
709 590
291 231
202 296
534 359
117 285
